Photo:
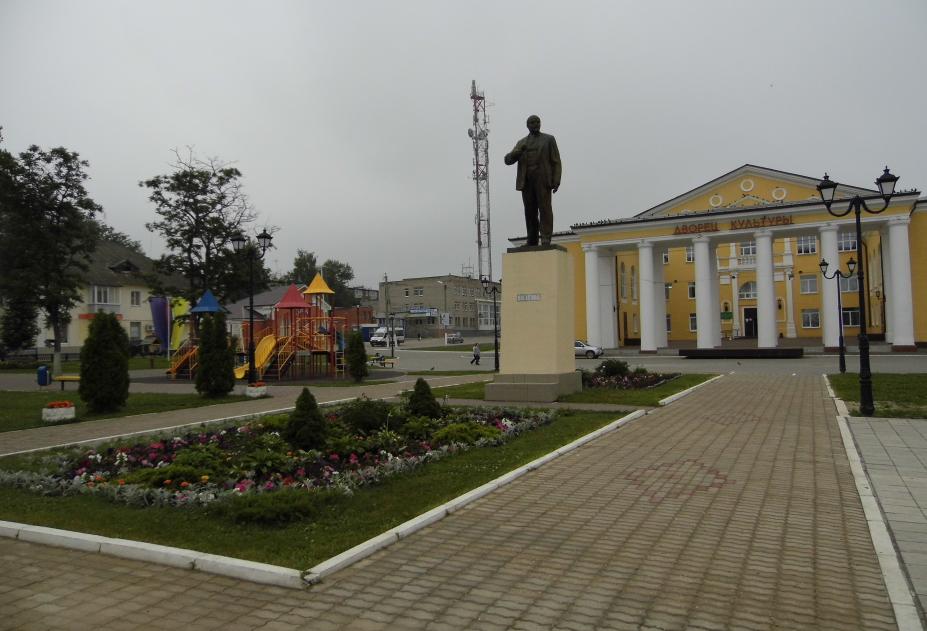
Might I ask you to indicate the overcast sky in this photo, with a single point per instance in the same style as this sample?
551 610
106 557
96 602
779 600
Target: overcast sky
349 120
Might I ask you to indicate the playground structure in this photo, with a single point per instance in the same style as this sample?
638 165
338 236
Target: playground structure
301 340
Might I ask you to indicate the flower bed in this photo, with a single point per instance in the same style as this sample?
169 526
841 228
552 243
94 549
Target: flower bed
200 468
615 374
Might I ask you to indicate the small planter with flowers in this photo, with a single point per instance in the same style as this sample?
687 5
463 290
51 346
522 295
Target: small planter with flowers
256 390
58 411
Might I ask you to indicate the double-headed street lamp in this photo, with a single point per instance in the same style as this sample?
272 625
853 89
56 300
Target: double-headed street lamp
241 243
851 266
491 289
886 183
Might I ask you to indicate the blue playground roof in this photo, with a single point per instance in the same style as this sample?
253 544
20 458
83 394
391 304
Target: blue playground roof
207 304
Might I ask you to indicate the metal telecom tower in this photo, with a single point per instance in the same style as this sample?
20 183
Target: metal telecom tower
479 134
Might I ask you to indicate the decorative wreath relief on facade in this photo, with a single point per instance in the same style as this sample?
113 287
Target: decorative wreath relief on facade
672 480
746 185
715 200
779 194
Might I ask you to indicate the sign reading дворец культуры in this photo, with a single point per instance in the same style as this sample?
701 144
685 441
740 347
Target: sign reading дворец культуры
735 224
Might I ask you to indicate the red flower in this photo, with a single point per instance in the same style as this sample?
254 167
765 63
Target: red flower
59 404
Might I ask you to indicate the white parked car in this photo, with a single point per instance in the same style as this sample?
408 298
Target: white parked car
581 349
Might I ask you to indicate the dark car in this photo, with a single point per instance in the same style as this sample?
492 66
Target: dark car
144 347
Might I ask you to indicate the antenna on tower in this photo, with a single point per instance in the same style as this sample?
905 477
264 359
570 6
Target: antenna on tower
479 135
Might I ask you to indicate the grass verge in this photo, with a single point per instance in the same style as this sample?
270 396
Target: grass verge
895 395
447 373
73 367
648 397
342 525
345 383
23 410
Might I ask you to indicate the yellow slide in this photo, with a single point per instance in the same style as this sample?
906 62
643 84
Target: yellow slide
263 353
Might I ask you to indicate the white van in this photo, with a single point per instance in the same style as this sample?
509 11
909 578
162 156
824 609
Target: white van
381 336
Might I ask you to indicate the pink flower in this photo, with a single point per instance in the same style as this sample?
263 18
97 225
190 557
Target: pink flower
353 459
334 457
269 486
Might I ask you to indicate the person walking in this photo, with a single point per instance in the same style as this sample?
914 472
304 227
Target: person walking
476 355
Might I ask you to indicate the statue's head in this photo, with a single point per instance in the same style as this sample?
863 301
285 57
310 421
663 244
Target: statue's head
534 124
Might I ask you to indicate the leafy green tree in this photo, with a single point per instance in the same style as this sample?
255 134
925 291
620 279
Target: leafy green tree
18 324
338 275
215 371
305 267
307 428
357 357
105 232
104 365
200 205
46 235
422 402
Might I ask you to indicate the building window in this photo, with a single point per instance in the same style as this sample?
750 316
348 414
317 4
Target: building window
850 316
690 253
405 292
747 290
691 291
666 257
846 242
135 298
809 283
666 290
693 324
135 330
105 295
633 284
624 283
748 248
418 291
810 319
635 321
849 284
669 321
807 244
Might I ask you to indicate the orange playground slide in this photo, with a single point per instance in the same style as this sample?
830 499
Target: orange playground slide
263 353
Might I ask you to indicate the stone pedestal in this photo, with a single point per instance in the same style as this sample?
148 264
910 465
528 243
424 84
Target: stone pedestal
537 362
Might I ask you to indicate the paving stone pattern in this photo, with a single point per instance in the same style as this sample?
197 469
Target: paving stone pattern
894 453
733 508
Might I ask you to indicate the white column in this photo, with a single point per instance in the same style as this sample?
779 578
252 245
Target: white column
829 317
703 308
659 297
887 292
646 293
715 295
735 304
593 302
608 316
789 305
902 302
765 290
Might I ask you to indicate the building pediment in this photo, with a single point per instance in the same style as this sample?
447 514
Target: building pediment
745 187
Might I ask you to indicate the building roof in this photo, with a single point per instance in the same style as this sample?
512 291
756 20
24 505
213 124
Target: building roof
115 265
292 299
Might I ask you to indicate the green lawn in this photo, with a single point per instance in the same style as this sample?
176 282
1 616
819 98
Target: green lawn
895 395
23 410
351 520
460 348
649 397
344 383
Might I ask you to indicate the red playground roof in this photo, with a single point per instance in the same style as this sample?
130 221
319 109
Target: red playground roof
292 299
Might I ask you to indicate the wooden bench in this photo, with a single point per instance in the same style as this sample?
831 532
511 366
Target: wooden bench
66 378
383 362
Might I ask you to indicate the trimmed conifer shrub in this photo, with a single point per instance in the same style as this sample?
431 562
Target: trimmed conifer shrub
215 371
307 428
357 357
104 365
422 402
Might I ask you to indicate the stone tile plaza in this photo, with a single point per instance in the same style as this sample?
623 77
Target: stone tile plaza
734 507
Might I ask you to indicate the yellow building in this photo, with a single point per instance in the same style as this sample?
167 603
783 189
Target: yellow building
742 253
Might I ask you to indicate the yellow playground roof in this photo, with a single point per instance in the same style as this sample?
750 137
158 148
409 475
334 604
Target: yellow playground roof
318 286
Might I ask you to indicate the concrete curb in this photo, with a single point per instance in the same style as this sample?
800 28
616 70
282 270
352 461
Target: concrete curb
679 395
348 557
896 582
153 553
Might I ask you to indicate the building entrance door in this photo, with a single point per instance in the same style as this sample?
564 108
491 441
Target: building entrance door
749 321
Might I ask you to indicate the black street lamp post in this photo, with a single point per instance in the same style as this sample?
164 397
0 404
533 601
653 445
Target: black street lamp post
490 289
886 183
241 243
851 265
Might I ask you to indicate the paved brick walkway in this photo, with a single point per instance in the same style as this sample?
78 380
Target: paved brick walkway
733 508
894 453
